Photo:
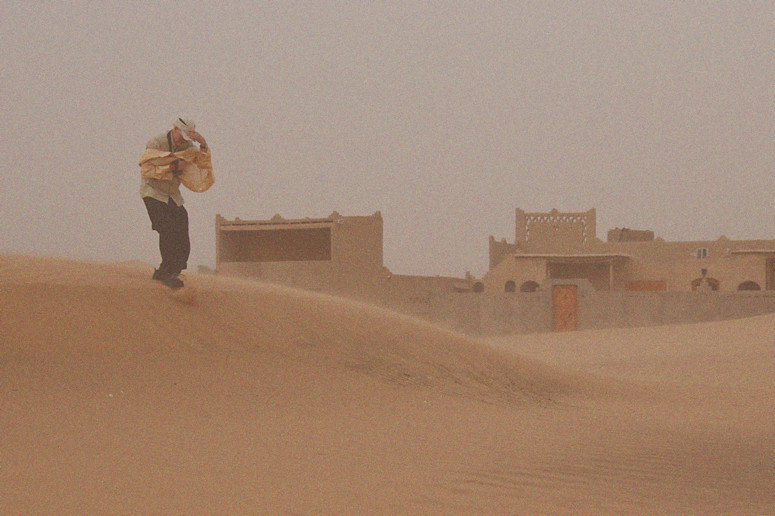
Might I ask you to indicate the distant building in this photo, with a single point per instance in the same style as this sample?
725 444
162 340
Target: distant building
554 246
556 275
332 253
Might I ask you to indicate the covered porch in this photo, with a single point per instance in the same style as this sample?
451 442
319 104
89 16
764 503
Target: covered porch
602 270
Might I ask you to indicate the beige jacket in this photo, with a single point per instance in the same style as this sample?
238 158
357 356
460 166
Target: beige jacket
157 180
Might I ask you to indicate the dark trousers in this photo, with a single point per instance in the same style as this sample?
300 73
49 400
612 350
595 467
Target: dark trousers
171 222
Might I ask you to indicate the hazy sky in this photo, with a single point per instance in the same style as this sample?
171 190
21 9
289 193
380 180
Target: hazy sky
444 116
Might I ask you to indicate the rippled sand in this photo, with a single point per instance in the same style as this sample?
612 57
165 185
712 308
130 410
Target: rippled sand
241 397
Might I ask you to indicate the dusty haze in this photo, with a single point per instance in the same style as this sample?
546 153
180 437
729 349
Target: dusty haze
443 115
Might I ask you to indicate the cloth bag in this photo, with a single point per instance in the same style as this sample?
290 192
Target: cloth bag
195 163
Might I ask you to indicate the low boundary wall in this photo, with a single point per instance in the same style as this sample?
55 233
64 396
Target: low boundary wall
443 301
516 313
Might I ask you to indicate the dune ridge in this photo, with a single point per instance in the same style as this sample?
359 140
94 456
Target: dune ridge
117 397
102 307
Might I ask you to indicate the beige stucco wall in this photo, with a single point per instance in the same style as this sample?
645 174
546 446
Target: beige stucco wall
554 231
630 309
518 271
517 313
499 250
356 241
678 272
354 256
678 265
730 270
672 264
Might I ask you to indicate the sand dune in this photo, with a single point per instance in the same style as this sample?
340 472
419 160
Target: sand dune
116 397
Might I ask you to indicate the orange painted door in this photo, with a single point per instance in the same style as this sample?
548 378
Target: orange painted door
564 307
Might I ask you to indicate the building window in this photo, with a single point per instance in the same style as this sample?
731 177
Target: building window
297 244
748 285
529 286
510 286
702 252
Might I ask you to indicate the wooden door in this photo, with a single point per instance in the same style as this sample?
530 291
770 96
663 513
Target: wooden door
564 307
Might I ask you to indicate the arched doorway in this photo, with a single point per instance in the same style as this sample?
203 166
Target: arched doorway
510 286
749 285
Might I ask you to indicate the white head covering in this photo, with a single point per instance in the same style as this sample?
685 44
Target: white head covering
184 125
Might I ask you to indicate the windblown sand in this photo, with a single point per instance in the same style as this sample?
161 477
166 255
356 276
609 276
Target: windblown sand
116 397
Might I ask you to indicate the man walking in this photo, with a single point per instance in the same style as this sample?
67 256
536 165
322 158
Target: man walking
160 190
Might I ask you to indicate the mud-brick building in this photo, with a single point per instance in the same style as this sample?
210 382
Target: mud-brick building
556 275
555 246
335 253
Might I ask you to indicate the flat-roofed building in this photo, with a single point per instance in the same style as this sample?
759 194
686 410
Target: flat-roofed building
313 253
551 246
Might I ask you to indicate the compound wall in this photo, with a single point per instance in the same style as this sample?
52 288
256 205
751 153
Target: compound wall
519 313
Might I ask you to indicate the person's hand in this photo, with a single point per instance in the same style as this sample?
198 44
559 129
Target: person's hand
197 138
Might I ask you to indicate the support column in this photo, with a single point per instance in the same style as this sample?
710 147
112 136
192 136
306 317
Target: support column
611 276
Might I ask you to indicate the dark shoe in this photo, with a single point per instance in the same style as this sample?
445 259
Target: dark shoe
158 275
172 281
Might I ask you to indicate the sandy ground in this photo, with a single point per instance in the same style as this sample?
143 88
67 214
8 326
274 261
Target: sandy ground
238 398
